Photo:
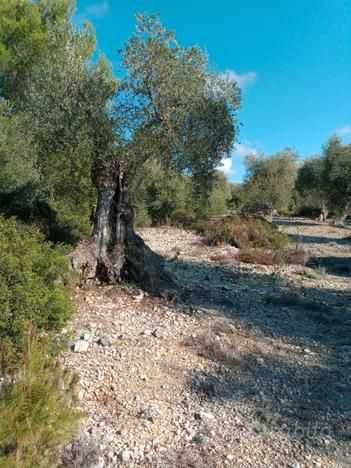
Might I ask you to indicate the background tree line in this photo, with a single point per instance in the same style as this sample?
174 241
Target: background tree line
318 186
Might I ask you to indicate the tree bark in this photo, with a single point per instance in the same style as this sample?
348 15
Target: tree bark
323 214
115 252
340 220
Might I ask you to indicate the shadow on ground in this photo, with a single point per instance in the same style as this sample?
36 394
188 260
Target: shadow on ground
304 239
338 266
308 395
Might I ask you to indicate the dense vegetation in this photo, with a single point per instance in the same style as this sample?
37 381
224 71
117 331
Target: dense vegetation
35 398
37 416
33 281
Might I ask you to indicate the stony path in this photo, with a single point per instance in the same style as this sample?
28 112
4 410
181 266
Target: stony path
250 367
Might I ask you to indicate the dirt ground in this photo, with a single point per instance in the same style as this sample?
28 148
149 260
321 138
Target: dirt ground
248 367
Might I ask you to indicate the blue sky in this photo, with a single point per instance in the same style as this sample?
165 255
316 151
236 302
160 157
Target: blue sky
292 59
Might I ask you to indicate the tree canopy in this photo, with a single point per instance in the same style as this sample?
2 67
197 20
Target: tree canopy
269 181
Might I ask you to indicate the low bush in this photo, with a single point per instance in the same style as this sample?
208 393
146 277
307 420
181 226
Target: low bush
244 232
37 417
259 241
287 255
82 452
33 283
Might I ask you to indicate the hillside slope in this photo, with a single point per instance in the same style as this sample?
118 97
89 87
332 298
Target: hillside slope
249 366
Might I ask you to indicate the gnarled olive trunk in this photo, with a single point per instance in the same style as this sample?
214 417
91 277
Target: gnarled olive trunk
340 220
324 213
115 252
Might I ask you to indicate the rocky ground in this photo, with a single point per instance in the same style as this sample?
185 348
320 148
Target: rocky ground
248 367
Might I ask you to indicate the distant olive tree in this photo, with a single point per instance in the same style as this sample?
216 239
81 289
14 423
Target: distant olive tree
311 184
337 157
220 195
269 181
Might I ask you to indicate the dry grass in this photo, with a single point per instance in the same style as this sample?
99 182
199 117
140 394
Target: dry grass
244 232
217 346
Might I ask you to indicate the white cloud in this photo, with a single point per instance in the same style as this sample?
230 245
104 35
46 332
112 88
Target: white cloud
226 166
243 149
344 131
94 11
243 80
240 150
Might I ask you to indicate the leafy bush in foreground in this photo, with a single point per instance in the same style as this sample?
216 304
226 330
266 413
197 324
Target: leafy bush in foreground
33 279
37 417
244 232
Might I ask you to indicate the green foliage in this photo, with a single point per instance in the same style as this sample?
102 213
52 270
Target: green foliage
338 168
237 196
58 121
325 181
33 281
167 197
269 182
311 179
53 119
16 163
219 196
170 108
36 408
24 39
244 232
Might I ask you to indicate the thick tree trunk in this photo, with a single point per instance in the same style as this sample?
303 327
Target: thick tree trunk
115 252
323 214
340 220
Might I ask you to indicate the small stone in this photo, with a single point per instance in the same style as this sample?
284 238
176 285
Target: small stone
139 297
86 336
230 457
143 377
124 456
149 415
104 341
260 360
307 351
157 333
202 415
80 346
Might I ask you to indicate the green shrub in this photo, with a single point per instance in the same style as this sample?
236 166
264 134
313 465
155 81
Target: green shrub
60 221
37 417
244 232
259 241
282 256
33 282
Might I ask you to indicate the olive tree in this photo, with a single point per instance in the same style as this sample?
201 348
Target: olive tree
338 169
269 181
311 184
166 106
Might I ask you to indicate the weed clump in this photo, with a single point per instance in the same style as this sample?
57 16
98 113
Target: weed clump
259 241
244 232
36 399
